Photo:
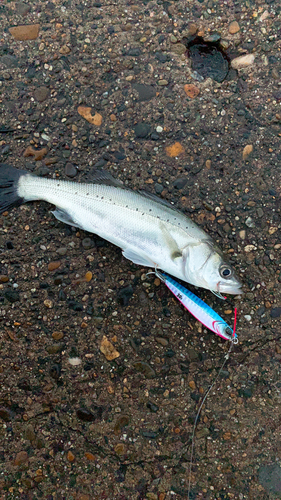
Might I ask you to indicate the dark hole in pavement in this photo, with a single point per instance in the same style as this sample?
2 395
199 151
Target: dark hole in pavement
208 59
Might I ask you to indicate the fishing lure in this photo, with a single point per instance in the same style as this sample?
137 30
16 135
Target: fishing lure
201 311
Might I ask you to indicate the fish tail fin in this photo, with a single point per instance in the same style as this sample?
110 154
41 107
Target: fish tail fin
9 181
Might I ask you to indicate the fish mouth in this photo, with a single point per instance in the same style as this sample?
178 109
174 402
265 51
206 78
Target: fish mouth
230 288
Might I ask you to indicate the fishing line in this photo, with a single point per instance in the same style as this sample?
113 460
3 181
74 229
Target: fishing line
226 358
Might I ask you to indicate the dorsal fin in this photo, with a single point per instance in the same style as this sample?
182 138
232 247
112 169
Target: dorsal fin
156 199
105 178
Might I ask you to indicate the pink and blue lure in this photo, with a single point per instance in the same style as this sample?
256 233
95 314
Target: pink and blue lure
201 311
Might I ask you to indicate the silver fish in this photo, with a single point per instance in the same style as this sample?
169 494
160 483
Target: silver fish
149 231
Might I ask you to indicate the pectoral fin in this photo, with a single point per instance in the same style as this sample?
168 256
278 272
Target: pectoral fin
63 216
175 251
141 260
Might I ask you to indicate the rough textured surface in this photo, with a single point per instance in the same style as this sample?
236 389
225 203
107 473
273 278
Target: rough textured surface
72 422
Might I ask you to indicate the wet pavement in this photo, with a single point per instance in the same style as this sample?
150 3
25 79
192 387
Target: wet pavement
102 371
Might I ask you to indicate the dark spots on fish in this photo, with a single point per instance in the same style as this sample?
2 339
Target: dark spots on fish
101 197
126 206
87 194
150 209
76 192
58 185
137 209
143 213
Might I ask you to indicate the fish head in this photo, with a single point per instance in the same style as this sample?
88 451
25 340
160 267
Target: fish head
206 267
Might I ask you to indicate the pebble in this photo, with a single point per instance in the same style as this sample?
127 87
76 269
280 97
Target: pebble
146 92
37 153
12 296
243 61
247 151
248 317
145 369
88 276
180 182
85 415
161 340
74 361
242 234
70 170
54 265
4 278
5 414
22 8
275 312
64 50
249 248
162 83
90 456
57 335
159 129
152 407
175 149
191 90
233 27
85 112
21 458
70 456
249 222
41 94
124 295
108 349
142 130
88 243
25 32
270 478
122 422
178 48
62 251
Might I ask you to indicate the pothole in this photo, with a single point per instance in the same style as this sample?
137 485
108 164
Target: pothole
208 59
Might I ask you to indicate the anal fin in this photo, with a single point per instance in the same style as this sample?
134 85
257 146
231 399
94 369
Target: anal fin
141 260
64 216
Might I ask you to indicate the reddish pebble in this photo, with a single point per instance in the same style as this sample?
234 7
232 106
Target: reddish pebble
4 279
88 276
90 456
54 265
57 335
70 456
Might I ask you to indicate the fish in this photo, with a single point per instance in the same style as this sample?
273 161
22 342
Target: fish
199 309
149 230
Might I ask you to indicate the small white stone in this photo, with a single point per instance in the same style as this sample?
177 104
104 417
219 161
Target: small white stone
242 61
248 317
74 361
159 129
249 248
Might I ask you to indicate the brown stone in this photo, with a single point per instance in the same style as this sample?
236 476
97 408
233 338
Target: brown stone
95 119
41 94
57 335
64 50
191 90
108 349
233 27
70 456
54 265
21 458
25 32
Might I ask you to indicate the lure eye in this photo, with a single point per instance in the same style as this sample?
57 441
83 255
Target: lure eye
225 271
228 331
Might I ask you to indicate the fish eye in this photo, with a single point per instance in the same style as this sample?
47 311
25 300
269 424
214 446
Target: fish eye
225 271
